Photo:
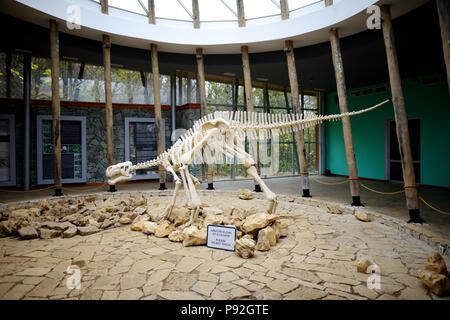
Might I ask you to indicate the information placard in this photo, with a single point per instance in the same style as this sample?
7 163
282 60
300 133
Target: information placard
221 237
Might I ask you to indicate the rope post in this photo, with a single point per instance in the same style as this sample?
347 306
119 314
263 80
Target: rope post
56 108
401 119
297 108
346 125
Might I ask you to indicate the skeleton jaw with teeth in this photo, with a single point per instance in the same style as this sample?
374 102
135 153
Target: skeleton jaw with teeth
119 172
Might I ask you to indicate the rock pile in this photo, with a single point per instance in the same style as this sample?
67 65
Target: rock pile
258 231
435 276
65 218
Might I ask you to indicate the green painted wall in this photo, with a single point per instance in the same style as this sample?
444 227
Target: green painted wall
430 103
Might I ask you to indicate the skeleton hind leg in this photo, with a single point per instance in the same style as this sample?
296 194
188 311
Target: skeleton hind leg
249 163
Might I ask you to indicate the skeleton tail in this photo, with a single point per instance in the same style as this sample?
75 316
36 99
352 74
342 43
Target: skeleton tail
256 122
147 164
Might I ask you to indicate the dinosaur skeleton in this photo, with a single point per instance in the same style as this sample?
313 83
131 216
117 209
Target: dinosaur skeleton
206 132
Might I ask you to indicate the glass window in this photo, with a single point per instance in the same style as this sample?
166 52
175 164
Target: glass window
92 87
277 99
172 9
215 10
17 76
2 74
129 5
68 78
73 149
127 87
219 93
296 4
258 97
259 8
41 81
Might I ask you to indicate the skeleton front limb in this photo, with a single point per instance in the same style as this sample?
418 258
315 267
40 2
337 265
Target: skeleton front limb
168 211
195 199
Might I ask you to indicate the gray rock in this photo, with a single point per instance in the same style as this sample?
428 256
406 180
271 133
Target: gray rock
60 226
69 233
106 224
45 233
85 231
140 210
28 232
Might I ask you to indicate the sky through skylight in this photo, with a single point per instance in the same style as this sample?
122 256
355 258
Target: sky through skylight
210 10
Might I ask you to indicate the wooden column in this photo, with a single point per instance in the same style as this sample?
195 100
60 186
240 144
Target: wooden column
151 12
401 119
297 109
106 46
444 13
104 4
158 113
196 14
249 104
284 6
241 13
56 107
346 125
203 105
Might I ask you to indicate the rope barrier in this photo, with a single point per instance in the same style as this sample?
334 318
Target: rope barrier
52 187
85 190
19 191
379 192
328 183
433 208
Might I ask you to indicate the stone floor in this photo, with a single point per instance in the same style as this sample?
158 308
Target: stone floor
317 260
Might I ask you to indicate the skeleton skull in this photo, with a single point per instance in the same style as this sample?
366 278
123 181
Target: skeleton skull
119 172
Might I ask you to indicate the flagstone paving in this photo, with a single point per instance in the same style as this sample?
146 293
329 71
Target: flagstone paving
317 260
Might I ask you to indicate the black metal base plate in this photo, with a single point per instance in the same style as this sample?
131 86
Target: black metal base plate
306 193
414 216
357 202
162 186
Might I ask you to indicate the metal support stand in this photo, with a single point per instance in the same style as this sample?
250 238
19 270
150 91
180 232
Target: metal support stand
357 202
306 193
414 216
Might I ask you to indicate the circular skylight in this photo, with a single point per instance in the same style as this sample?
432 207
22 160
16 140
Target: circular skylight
210 10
